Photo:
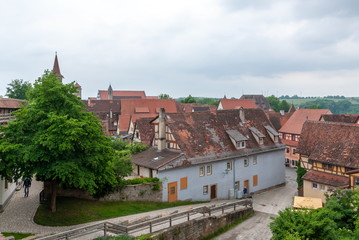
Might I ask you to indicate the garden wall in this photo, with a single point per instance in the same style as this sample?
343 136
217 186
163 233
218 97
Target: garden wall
137 192
201 227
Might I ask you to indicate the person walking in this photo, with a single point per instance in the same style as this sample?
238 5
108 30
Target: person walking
27 185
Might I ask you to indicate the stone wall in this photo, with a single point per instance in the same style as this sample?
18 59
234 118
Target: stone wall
201 227
137 192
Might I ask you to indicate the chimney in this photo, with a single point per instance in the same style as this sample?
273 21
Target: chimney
110 92
241 114
282 112
88 101
161 130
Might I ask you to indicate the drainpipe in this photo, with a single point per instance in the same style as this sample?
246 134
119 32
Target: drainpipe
234 179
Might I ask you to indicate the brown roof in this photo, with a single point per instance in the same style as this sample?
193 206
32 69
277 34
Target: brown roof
275 119
331 142
103 107
326 178
146 129
295 122
10 103
204 134
260 101
153 159
237 103
194 107
56 68
116 94
346 118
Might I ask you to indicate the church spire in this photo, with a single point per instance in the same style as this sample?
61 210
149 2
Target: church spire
56 68
110 92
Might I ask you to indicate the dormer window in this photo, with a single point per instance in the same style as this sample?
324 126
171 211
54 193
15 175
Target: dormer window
241 144
274 135
237 138
260 141
257 135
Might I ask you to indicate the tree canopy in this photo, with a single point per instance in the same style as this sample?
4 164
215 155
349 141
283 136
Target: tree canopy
188 99
276 104
337 220
339 107
164 96
58 141
18 89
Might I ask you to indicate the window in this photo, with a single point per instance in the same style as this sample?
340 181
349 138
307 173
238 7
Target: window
246 162
229 166
6 184
205 189
287 150
209 170
260 141
327 166
314 185
275 139
293 150
168 145
356 181
236 185
241 144
254 159
293 137
255 180
183 183
310 161
201 171
322 187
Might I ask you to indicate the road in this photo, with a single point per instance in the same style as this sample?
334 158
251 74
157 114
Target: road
266 205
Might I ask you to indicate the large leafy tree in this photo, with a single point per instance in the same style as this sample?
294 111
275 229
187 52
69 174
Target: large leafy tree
18 89
58 141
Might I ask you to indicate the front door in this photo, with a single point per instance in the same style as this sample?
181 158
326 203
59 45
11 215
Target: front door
214 191
246 185
172 191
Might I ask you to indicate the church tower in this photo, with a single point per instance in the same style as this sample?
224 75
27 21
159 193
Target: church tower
110 92
56 69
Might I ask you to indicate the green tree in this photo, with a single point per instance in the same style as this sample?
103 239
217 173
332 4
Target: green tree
18 89
58 141
300 173
164 96
188 99
276 104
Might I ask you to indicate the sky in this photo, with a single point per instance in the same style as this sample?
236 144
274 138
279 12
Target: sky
206 48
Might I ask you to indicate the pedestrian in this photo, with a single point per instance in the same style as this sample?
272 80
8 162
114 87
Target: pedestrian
27 185
245 192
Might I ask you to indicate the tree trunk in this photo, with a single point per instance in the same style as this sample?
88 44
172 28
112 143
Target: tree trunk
53 196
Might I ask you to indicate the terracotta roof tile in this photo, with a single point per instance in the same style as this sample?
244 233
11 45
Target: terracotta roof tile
146 130
259 100
331 142
346 118
117 94
237 103
295 122
10 103
326 178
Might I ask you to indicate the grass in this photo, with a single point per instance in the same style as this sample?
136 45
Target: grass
228 227
17 235
119 237
72 211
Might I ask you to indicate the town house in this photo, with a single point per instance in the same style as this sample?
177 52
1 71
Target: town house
213 155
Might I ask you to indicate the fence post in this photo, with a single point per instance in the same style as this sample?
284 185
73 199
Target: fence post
222 209
234 206
150 227
209 212
104 230
170 221
187 216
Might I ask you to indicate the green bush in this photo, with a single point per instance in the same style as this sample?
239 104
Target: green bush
141 181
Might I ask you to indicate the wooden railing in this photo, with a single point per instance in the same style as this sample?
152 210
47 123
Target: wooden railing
148 226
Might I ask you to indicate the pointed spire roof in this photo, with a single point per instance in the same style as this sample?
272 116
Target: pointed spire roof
56 68
110 88
224 97
292 109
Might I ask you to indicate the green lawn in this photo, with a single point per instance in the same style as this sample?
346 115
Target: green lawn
71 211
16 235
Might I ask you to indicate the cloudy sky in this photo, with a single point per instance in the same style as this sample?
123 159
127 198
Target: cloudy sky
202 47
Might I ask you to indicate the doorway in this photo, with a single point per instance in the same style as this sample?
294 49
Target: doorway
246 185
172 191
213 191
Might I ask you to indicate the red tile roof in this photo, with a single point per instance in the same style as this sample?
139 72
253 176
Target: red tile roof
146 130
204 134
260 101
346 118
129 106
10 103
237 103
295 122
290 142
116 94
331 142
326 178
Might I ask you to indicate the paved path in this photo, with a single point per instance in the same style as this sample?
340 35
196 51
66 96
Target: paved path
18 215
266 205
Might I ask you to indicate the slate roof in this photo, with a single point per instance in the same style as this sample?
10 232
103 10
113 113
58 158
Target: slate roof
153 159
295 122
346 118
146 129
259 100
10 103
237 103
330 142
326 178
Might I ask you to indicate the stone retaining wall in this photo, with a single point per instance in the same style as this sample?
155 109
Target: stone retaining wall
201 227
137 192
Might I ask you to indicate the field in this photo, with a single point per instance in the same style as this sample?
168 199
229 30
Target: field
299 101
